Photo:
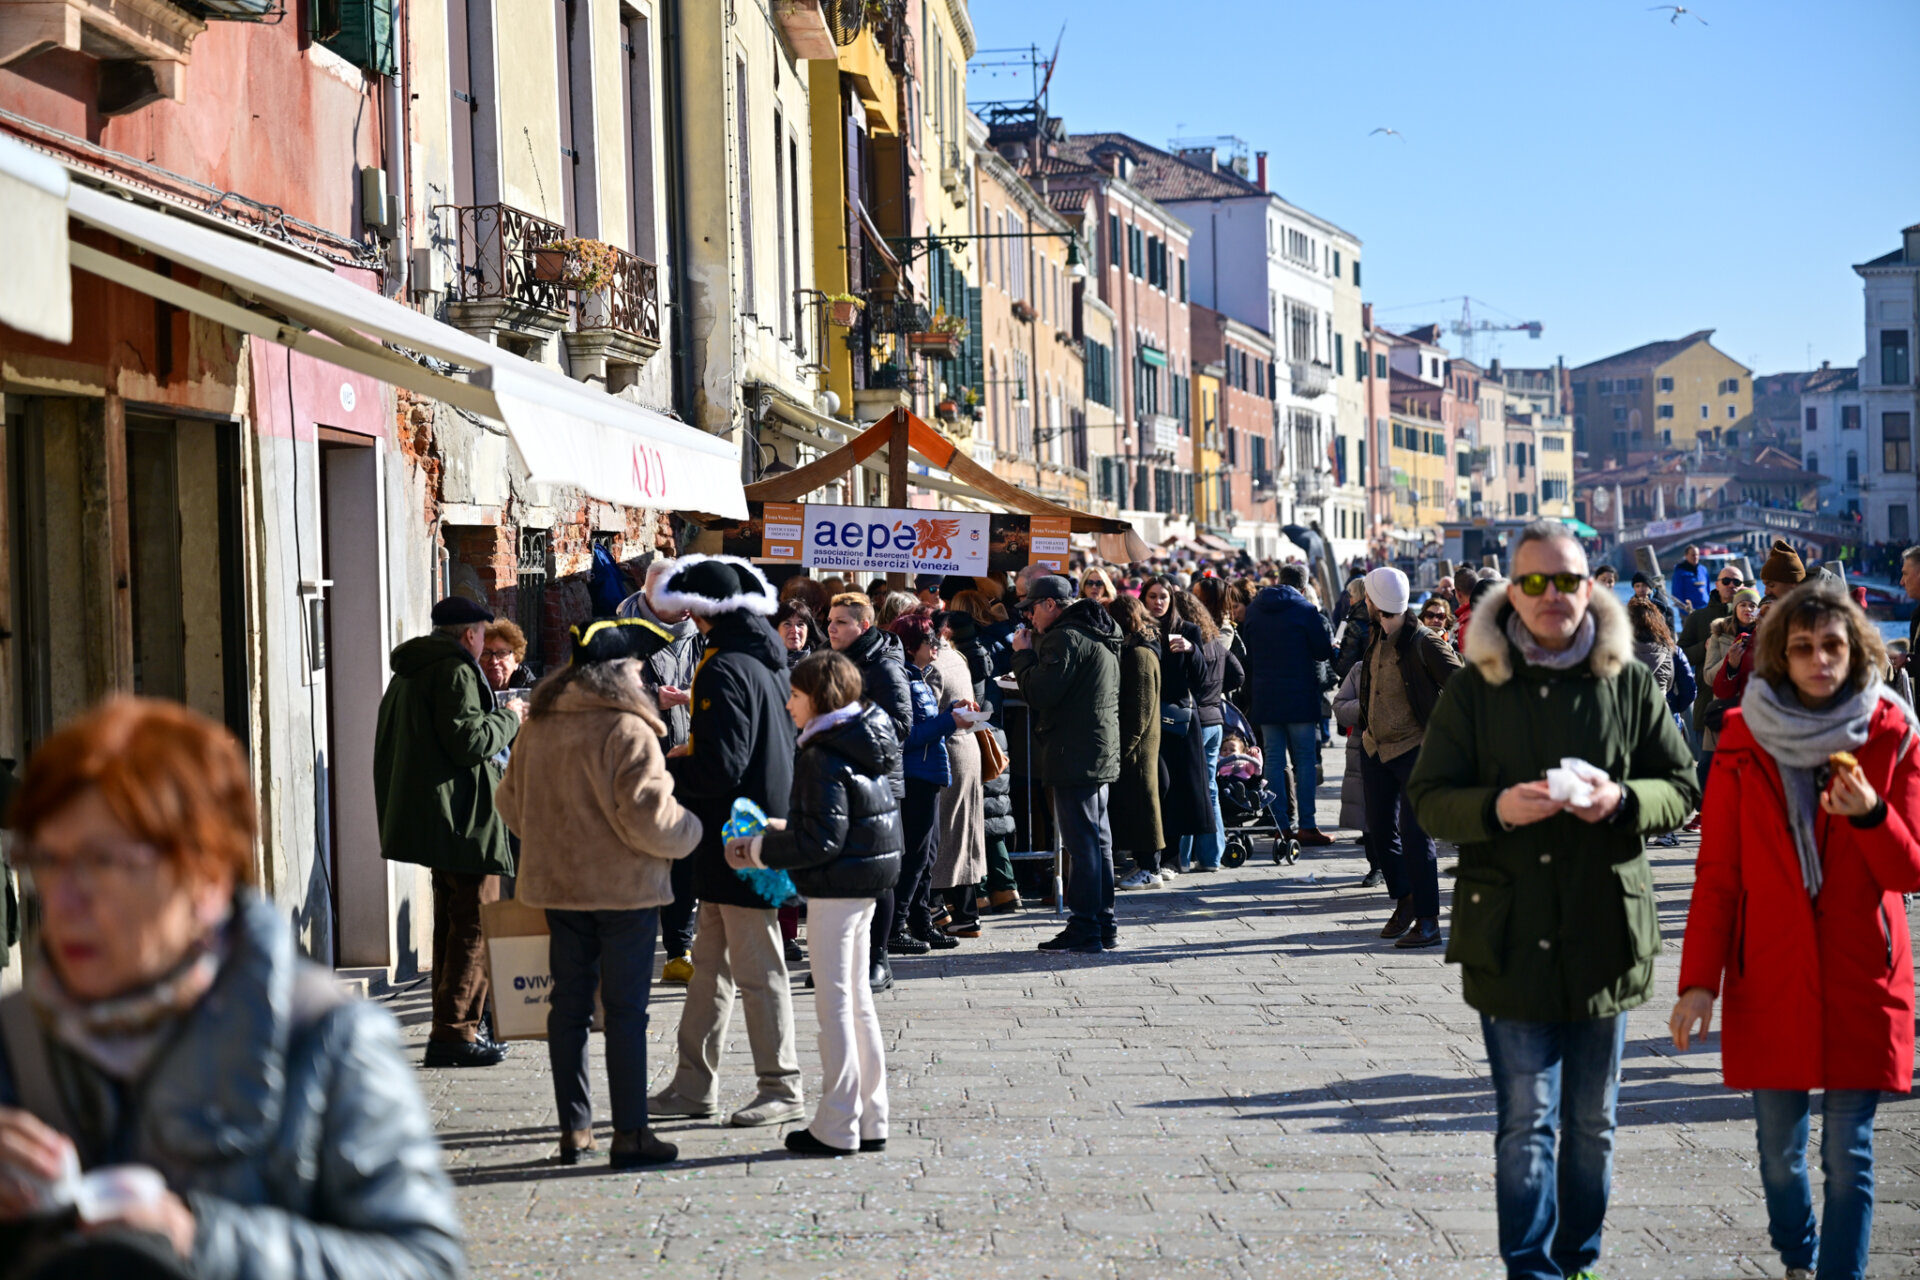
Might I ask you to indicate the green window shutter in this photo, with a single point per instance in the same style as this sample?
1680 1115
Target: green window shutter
976 370
363 32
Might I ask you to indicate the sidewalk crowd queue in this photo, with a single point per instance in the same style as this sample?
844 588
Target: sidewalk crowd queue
893 750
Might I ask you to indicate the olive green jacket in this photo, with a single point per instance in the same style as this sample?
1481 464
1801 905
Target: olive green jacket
433 771
1555 921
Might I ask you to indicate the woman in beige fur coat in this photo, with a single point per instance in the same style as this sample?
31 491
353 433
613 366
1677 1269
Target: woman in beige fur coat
588 794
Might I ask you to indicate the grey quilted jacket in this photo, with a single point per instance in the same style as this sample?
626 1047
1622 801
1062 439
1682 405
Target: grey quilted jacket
285 1117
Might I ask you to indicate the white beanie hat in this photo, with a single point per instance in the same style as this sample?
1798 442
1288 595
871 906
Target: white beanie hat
1387 588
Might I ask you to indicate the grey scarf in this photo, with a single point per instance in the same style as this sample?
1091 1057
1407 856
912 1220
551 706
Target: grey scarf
1800 739
1535 656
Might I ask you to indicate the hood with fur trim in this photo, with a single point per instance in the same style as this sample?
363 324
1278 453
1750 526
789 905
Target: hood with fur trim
694 585
1488 648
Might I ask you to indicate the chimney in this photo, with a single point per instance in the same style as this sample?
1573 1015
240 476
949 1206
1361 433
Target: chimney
1260 161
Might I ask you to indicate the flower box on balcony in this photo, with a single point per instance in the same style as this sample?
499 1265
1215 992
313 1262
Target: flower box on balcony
844 311
947 411
1024 312
937 344
586 265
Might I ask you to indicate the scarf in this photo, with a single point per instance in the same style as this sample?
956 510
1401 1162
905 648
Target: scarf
1800 739
827 720
122 1034
1534 656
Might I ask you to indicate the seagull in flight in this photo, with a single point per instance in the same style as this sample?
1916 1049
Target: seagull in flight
1391 133
1679 11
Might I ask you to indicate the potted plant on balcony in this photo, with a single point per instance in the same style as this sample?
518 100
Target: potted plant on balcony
844 309
947 410
944 338
576 263
970 402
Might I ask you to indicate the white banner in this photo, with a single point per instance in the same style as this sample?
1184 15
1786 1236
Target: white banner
1667 528
894 540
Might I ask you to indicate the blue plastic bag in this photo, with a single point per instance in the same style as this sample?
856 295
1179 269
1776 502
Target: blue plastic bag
774 887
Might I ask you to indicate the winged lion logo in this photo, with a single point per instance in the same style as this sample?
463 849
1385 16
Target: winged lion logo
933 539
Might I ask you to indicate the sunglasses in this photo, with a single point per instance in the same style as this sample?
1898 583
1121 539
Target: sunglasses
1535 584
1733 582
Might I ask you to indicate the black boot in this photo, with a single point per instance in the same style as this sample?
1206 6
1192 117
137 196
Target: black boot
880 976
1400 920
637 1148
463 1053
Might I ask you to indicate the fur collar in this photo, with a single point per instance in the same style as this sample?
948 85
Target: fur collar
1488 649
597 686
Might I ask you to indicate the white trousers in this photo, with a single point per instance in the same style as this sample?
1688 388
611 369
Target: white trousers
853 1063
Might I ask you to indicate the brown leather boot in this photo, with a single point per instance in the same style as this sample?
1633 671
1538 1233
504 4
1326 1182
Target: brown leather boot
574 1142
635 1148
1401 919
1003 902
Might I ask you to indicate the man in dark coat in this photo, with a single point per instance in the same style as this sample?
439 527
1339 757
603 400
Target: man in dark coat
433 781
668 676
739 746
1070 679
1289 649
1555 925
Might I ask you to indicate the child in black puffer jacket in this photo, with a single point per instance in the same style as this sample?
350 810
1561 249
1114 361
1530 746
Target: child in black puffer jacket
841 841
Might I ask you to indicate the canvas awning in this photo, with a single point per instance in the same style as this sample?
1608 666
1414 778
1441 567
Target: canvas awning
36 292
1117 539
567 433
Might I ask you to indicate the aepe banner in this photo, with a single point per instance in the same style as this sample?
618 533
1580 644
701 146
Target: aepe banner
893 540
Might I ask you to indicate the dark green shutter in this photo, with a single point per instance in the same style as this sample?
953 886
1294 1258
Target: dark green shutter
976 359
364 32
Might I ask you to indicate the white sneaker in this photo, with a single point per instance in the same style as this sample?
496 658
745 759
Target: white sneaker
1168 873
1140 880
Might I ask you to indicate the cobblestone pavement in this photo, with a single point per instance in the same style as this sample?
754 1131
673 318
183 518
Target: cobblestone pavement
1255 1086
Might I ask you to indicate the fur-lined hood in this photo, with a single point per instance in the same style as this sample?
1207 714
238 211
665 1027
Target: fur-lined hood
1727 626
1488 648
597 686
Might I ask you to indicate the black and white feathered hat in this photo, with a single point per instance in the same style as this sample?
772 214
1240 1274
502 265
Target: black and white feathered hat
710 585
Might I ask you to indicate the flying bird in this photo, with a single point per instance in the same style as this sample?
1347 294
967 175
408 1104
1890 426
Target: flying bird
1679 11
1391 133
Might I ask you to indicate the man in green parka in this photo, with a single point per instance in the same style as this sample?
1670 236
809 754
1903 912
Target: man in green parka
1554 921
433 781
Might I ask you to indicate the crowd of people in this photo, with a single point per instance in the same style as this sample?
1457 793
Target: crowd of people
755 777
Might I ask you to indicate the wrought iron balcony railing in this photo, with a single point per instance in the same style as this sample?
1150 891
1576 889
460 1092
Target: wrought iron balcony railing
630 304
496 244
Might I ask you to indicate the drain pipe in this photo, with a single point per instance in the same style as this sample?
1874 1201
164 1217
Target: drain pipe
395 142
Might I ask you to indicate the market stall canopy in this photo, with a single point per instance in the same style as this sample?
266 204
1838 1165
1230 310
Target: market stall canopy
567 432
36 292
1580 527
1117 540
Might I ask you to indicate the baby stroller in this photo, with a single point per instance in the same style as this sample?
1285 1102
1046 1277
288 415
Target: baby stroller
1246 805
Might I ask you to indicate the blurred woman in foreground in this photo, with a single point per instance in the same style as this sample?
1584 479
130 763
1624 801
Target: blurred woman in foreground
173 1024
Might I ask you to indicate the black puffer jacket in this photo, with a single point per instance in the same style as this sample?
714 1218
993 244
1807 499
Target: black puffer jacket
741 745
883 682
843 837
999 794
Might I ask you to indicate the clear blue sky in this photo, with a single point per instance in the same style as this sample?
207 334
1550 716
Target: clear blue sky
1585 163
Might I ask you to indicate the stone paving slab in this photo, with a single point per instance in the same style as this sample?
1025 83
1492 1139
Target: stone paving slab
1255 1086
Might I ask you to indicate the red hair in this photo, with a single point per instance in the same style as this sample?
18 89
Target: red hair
172 777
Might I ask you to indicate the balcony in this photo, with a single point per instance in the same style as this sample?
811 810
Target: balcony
142 46
618 327
1310 378
1163 433
804 24
497 292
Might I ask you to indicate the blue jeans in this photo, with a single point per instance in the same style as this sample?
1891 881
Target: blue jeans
1207 850
1551 1211
1087 840
611 951
1846 1157
1302 742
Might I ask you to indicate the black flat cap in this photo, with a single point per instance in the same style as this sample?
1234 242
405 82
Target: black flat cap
458 611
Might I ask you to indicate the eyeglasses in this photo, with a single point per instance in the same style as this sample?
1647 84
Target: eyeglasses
1733 582
496 655
1432 615
1535 584
95 865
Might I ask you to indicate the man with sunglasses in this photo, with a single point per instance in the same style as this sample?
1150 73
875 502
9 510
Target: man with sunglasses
1554 922
1690 579
1699 628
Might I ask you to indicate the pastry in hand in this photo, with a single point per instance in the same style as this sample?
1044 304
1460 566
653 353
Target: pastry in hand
1842 760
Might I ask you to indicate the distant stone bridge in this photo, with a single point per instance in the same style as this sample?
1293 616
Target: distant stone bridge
1732 524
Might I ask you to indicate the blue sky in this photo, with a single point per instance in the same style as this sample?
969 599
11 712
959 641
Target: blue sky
1585 163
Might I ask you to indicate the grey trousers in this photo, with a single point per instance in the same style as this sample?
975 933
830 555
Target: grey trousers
737 947
611 951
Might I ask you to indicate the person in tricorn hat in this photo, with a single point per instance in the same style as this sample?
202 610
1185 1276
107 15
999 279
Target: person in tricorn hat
433 785
739 746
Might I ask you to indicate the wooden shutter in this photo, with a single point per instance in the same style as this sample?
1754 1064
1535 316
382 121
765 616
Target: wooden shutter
364 32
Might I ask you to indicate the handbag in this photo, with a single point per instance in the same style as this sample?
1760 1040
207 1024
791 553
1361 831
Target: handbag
1175 718
993 759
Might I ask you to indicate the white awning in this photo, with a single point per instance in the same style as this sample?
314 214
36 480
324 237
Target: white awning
567 433
36 292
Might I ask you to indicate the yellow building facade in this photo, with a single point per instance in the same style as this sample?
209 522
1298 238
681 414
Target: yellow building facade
1421 473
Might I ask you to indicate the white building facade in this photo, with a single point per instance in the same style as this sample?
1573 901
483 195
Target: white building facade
1889 495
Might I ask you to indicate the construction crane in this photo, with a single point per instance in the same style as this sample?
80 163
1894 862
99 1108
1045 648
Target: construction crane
1469 330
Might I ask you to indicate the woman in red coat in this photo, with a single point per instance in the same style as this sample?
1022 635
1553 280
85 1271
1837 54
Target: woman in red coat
1797 917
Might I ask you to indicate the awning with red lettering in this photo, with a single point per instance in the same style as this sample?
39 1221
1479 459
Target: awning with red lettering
567 432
